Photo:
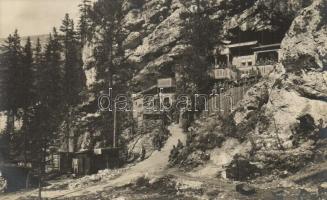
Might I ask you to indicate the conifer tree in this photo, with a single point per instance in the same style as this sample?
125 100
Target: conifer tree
52 73
31 124
200 33
28 92
74 77
49 110
38 61
13 55
84 22
27 74
108 54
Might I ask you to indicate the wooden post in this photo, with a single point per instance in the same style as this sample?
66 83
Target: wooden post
228 63
40 184
115 126
255 58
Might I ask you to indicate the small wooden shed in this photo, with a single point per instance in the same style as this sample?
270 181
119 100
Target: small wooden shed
83 163
64 160
106 158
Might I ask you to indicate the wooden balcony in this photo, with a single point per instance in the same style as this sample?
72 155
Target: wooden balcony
149 111
221 74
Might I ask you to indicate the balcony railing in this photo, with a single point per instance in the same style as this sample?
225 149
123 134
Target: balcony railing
219 74
149 111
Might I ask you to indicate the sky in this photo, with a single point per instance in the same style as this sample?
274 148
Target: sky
34 17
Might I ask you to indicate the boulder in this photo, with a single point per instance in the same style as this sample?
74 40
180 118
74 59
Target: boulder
240 169
3 185
304 194
322 190
132 40
245 189
133 20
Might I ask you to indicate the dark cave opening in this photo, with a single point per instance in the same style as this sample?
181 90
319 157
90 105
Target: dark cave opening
263 37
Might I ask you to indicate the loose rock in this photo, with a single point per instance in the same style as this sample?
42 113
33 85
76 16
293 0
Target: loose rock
245 189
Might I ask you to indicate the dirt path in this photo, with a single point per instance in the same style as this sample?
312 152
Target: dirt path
154 166
156 163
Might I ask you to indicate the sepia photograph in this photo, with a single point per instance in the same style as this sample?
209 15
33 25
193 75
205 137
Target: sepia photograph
163 99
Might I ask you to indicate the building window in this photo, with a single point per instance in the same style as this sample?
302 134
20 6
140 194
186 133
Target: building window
243 64
249 63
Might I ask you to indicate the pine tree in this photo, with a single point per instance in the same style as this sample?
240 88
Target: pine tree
84 22
52 73
38 64
200 33
12 60
104 15
34 123
74 77
50 92
108 54
27 74
27 84
49 110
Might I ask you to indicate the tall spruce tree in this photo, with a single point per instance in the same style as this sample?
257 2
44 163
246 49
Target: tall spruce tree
200 33
84 22
49 111
13 55
38 64
27 74
107 15
33 127
52 73
74 77
50 89
28 92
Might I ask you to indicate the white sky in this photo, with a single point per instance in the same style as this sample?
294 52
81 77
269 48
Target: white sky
34 17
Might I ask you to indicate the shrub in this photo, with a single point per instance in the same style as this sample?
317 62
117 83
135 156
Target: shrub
160 138
210 141
305 129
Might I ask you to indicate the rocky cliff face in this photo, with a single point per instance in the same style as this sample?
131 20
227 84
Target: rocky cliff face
154 29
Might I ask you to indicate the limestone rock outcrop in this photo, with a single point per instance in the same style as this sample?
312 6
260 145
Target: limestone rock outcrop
305 44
